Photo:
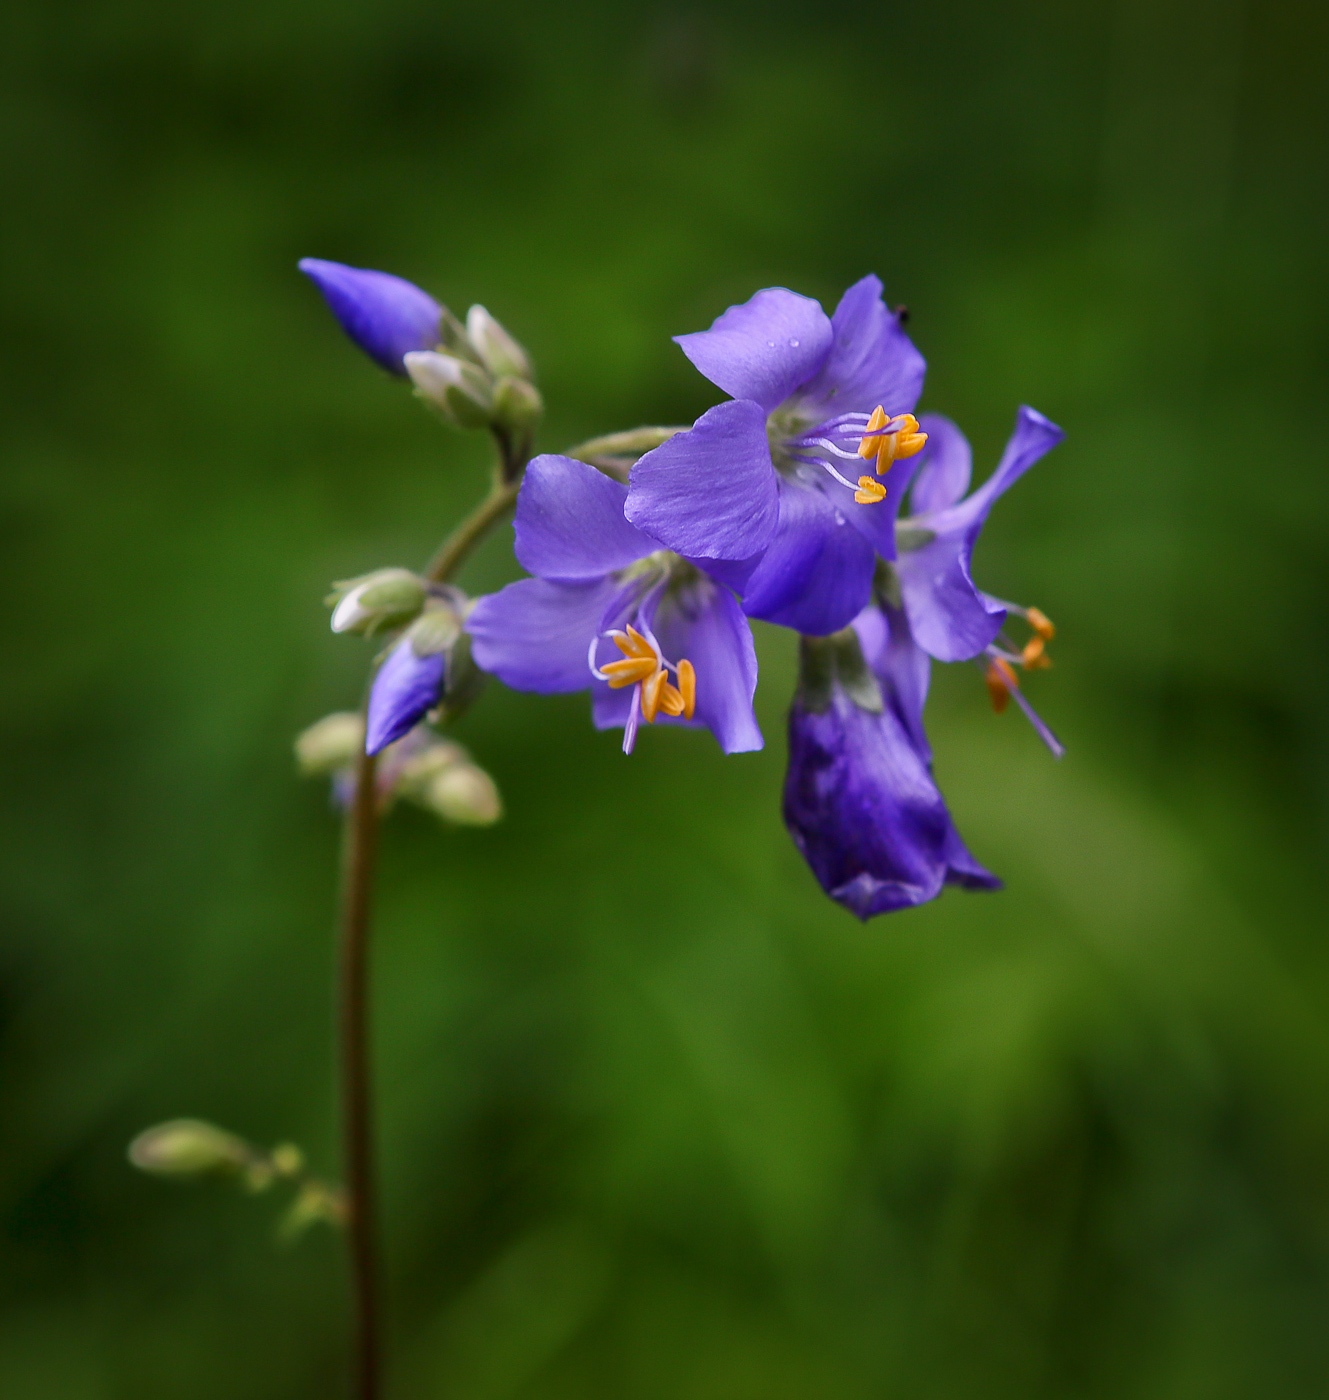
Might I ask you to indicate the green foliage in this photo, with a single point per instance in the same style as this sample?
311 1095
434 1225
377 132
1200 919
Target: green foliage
658 1119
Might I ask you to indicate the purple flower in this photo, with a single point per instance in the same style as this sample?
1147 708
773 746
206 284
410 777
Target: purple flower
653 635
753 487
860 800
950 618
386 316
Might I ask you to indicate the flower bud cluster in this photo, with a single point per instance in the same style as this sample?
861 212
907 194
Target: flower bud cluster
431 772
190 1148
480 377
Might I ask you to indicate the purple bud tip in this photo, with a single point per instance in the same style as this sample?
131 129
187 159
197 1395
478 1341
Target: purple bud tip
406 688
386 316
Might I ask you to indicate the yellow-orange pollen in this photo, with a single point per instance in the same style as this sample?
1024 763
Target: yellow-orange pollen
642 665
888 440
1000 674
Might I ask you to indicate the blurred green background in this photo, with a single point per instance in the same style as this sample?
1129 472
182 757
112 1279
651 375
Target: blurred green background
658 1120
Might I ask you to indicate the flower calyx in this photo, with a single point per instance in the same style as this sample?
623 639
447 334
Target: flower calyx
835 663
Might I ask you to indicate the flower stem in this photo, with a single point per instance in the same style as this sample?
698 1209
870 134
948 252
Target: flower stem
361 843
451 553
357 893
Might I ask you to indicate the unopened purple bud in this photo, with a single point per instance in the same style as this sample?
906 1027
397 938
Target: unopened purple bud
410 682
386 316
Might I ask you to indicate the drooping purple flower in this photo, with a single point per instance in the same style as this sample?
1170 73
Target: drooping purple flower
860 800
950 618
386 316
754 485
653 635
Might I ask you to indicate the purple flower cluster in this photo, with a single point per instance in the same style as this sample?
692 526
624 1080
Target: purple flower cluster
786 503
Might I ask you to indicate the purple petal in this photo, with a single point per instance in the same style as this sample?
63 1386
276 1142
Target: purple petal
534 635
948 616
406 687
765 348
570 522
862 807
385 316
711 491
704 625
816 574
872 361
944 466
902 667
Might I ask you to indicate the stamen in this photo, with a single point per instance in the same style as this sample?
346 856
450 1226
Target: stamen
890 439
687 687
645 667
1034 657
1039 621
870 491
1000 681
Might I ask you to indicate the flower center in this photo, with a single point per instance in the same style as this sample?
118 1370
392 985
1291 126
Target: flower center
855 436
644 665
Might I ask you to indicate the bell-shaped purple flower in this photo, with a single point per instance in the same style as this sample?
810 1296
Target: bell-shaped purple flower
860 800
653 635
754 485
950 618
386 316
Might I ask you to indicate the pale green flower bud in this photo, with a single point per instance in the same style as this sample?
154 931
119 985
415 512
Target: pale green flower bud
463 794
189 1147
461 391
287 1159
500 354
330 744
518 406
385 598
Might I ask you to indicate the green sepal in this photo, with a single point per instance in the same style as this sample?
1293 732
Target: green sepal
826 664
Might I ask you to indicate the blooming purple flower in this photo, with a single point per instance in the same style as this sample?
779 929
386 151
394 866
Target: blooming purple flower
386 316
860 800
653 635
753 488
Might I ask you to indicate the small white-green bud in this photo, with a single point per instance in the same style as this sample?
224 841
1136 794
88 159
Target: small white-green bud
518 406
499 351
463 794
385 598
189 1147
461 391
287 1159
330 744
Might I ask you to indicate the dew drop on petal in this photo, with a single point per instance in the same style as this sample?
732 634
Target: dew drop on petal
770 345
793 344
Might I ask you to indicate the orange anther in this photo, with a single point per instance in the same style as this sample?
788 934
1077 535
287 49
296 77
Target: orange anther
629 671
1033 657
869 492
1041 624
903 440
1000 681
687 688
650 695
671 702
